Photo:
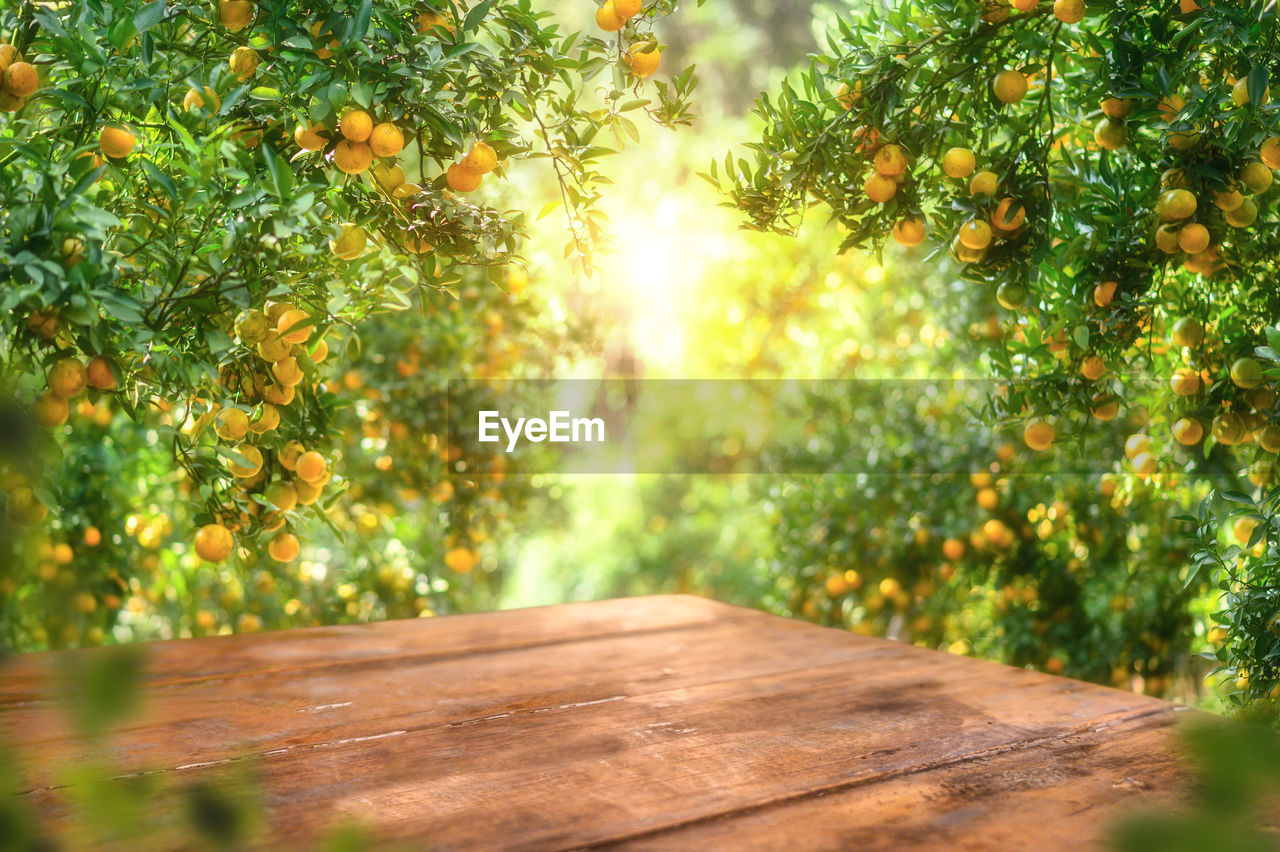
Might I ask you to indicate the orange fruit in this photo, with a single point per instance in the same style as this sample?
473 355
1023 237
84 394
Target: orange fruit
1136 443
1039 435
352 157
100 374
308 138
195 99
8 55
253 457
278 394
350 242
461 179
294 326
1175 204
608 19
1257 176
282 495
232 424
286 372
1118 108
627 9
909 232
356 125
1104 407
265 420
50 410
953 549
1193 238
461 560
21 79
116 142
1069 11
959 163
1269 153
311 467
890 160
1008 216
984 184
1093 368
1227 200
67 377
273 347
1188 331
880 188
283 547
1010 86
1268 437
1144 464
429 20
1187 431
319 352
317 38
481 159
308 493
214 542
1229 428
1185 382
388 176
92 537
1243 216
1240 93
235 15
243 63
975 234
386 140
642 59
1246 373
288 454
1110 134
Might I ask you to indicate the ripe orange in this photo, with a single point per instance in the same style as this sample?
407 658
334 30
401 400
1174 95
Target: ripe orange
608 19
1187 431
320 351
953 549
356 125
311 466
1193 238
1268 437
988 498
959 163
461 179
1069 11
1185 382
626 9
1243 216
1227 200
282 495
273 347
1170 105
265 420
308 493
116 142
1104 407
1257 176
909 232
92 537
1039 435
278 394
21 79
283 547
50 410
252 455
350 243
461 560
1145 464
386 140
1010 86
235 15
308 138
243 63
1240 93
1137 443
389 177
481 159
984 184
1167 238
1175 204
641 61
1025 5
428 20
232 424
1093 368
195 99
317 39
294 326
352 157
1118 108
890 160
289 454
975 234
67 377
8 55
1229 428
880 188
1009 216
1269 153
214 542
286 372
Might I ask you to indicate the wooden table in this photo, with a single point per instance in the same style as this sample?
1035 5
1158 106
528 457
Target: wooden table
662 723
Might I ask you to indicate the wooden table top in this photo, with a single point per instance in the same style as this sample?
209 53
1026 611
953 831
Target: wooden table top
662 722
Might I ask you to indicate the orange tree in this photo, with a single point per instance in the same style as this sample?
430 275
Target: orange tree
203 202
1106 175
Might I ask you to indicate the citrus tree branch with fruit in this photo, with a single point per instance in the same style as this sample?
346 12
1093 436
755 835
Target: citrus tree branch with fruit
201 202
1105 176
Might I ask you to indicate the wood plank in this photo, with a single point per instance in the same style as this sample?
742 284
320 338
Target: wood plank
1062 793
28 677
584 773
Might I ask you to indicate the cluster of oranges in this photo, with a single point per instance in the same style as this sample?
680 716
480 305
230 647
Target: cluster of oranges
273 484
18 79
67 378
642 58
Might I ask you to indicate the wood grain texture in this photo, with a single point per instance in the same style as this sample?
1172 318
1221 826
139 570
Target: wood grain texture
666 722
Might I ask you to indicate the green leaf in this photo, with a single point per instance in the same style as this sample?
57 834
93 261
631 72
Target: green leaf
360 26
1256 84
476 15
149 15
